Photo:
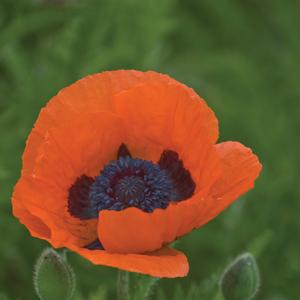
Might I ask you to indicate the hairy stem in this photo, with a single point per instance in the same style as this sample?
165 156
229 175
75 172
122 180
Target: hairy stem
123 285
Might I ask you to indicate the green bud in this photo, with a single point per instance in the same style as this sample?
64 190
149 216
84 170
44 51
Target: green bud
53 277
240 280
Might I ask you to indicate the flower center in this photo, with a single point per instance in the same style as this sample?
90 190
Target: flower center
131 182
130 189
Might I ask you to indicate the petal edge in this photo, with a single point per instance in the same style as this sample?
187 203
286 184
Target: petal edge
165 262
240 167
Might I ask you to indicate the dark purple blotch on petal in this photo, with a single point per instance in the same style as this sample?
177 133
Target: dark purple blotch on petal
123 151
183 184
95 245
79 204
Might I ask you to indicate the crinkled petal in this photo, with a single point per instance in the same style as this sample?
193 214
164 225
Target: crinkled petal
89 94
166 115
240 168
34 224
79 147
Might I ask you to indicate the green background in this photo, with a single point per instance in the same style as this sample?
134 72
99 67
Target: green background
242 56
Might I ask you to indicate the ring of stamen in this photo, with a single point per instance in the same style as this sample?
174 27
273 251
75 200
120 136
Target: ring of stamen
130 182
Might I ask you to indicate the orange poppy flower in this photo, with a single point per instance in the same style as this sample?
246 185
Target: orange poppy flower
122 163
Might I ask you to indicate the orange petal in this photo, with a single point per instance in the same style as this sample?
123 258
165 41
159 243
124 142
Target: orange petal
34 224
165 262
80 147
48 204
165 115
134 231
240 168
131 230
91 93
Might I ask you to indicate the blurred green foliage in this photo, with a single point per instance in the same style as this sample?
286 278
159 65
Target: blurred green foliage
242 56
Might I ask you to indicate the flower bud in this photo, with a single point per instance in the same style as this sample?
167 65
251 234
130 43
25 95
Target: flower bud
53 277
240 280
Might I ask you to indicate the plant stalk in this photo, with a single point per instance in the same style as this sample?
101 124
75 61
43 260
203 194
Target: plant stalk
123 285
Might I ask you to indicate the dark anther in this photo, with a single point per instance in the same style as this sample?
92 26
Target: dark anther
95 245
184 186
123 151
79 204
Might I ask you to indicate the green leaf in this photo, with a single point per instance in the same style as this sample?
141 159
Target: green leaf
53 277
241 279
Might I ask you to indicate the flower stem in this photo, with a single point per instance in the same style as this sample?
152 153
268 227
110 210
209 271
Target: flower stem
123 285
218 296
